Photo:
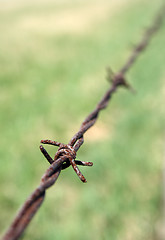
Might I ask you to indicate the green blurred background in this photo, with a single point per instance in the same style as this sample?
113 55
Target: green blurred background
53 56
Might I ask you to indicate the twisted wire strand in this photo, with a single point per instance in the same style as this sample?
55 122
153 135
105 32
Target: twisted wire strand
66 154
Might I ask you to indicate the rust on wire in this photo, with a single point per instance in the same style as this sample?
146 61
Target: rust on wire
66 153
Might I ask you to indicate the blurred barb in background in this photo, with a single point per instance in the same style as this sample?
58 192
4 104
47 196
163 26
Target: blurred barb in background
53 56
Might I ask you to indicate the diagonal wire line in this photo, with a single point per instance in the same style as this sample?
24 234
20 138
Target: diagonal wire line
66 154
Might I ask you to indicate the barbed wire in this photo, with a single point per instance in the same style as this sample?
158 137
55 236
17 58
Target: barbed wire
66 153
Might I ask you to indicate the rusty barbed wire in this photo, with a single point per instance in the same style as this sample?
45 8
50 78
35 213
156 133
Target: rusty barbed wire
66 153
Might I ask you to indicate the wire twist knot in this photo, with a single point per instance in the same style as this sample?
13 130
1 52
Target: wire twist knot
65 150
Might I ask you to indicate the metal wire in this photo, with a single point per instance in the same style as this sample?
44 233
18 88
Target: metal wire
66 153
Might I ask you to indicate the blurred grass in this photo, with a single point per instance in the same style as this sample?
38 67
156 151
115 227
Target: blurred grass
52 58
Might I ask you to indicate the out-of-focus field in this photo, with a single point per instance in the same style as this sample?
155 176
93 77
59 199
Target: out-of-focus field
53 56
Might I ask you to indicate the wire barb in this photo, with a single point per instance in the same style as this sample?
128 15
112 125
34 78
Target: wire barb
70 155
